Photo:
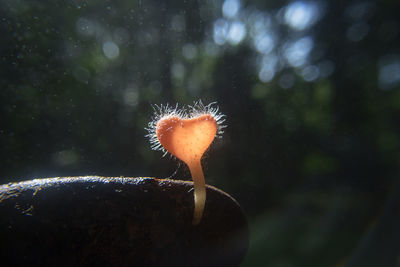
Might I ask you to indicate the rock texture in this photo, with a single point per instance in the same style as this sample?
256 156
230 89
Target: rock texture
106 221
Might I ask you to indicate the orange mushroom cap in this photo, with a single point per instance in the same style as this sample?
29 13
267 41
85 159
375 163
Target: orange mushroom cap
187 139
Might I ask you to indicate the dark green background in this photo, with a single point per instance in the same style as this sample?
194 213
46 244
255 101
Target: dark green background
311 160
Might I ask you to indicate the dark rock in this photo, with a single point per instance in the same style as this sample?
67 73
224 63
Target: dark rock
104 221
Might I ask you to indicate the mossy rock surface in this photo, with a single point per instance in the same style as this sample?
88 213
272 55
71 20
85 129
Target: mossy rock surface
117 221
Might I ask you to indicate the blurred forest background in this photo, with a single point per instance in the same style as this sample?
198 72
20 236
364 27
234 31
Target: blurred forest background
311 91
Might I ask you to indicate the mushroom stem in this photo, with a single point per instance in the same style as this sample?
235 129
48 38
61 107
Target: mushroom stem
199 190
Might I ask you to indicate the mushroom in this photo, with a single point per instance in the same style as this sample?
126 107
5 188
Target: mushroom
187 136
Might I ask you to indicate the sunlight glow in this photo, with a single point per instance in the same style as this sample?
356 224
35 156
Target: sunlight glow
237 32
264 43
221 27
268 68
389 71
230 8
231 32
296 53
310 73
301 15
111 50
